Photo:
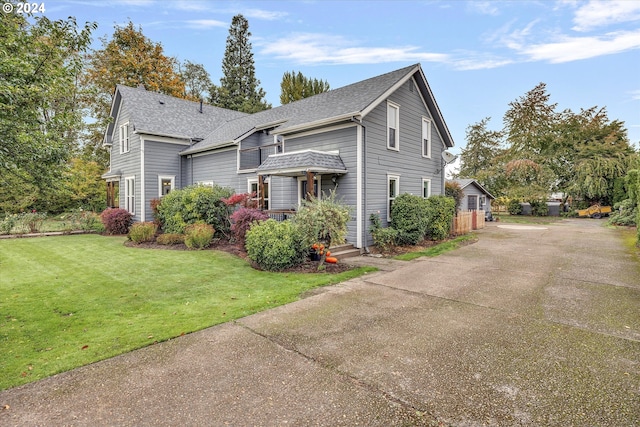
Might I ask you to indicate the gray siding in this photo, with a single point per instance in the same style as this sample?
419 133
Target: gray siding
127 163
407 163
342 140
472 190
160 159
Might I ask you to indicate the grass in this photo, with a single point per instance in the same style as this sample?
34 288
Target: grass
526 219
72 300
438 249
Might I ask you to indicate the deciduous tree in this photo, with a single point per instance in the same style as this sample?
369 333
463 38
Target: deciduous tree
40 118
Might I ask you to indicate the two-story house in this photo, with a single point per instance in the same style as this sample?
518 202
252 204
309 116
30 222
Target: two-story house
370 141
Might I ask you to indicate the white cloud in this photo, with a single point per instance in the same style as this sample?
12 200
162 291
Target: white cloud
267 15
206 23
310 48
635 95
602 13
484 7
567 49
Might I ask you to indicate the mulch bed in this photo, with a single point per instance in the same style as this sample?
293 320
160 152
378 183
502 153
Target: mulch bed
237 250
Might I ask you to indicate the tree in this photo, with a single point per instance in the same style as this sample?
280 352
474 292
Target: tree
295 87
40 117
196 81
132 59
239 89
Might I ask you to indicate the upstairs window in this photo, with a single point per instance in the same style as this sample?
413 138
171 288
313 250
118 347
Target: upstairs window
124 138
393 122
426 137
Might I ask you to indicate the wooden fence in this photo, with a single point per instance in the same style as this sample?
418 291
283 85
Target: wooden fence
464 222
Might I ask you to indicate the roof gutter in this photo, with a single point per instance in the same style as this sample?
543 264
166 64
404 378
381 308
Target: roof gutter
319 123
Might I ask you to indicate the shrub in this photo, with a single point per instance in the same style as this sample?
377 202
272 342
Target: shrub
116 220
539 207
274 246
514 207
8 223
323 220
196 203
409 217
141 232
170 239
440 212
30 222
242 219
198 235
452 189
384 238
625 213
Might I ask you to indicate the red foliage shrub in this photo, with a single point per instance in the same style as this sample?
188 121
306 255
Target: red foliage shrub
245 200
116 220
242 220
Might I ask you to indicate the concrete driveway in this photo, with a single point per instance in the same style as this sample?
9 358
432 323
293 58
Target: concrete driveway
529 326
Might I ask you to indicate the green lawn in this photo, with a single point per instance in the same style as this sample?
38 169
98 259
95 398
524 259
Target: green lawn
439 249
72 300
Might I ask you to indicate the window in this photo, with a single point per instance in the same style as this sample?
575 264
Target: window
483 201
393 187
255 188
113 194
124 138
426 137
426 187
472 202
165 185
393 121
130 194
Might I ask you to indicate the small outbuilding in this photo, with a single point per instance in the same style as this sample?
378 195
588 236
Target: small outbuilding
476 197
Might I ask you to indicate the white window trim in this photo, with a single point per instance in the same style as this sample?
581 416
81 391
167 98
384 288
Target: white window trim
124 148
426 121
388 198
428 181
162 178
302 179
397 138
252 181
130 194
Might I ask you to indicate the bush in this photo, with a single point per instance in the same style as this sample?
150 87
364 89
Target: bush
514 207
409 218
452 189
323 220
539 207
116 220
170 239
624 213
30 222
440 212
384 238
142 232
274 246
8 223
242 219
198 235
79 219
196 203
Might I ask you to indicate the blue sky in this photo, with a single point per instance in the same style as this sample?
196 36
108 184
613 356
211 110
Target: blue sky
477 55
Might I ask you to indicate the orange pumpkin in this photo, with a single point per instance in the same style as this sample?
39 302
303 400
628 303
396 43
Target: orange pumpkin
331 260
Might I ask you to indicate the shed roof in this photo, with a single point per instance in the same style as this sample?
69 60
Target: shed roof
465 182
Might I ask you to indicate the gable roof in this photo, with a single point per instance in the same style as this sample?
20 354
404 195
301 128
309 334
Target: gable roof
465 182
354 100
159 114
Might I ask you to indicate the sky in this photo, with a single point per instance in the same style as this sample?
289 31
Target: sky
478 56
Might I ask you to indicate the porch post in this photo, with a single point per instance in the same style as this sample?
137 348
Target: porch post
310 176
260 192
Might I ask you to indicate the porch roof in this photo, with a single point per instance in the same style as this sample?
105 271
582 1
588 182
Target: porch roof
298 163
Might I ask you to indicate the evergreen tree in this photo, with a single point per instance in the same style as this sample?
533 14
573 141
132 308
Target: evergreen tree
295 87
239 89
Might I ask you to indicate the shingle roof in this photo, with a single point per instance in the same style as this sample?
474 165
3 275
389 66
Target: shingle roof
298 162
159 114
464 182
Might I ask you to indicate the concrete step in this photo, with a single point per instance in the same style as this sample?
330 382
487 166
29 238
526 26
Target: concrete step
344 251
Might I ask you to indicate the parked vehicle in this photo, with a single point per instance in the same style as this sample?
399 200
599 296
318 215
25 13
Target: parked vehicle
595 211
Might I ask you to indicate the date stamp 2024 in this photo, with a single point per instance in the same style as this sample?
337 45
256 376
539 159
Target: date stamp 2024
23 8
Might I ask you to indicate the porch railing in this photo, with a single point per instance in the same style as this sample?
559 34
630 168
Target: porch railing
281 215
